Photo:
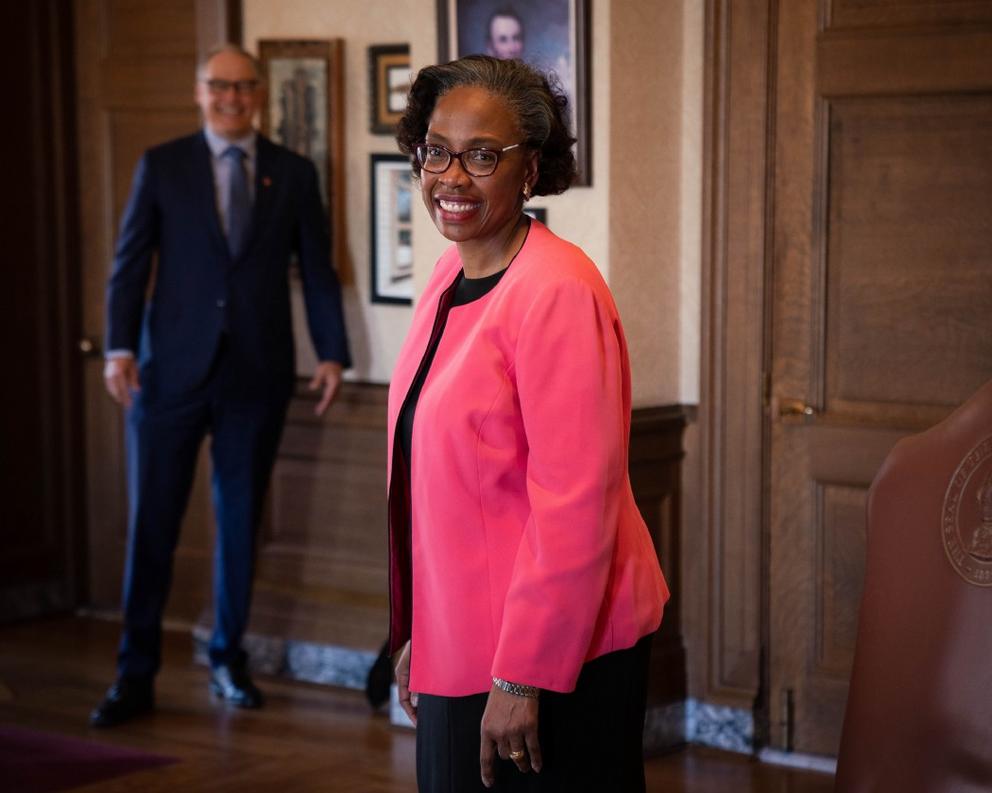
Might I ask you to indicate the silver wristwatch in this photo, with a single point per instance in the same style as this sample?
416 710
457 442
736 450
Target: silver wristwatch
517 689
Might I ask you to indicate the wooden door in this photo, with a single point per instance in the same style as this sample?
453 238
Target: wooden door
135 66
880 180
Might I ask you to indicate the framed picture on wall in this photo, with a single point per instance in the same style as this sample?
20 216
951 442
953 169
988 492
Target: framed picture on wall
305 113
538 213
552 35
389 83
391 221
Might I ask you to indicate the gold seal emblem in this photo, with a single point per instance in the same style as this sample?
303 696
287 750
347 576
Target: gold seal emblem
966 519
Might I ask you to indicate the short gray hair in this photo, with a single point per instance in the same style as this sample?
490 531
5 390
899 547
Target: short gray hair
228 46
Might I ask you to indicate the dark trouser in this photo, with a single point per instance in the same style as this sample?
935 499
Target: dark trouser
163 440
591 739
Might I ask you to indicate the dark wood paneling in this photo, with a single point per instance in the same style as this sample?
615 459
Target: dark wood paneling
656 453
898 13
322 559
41 521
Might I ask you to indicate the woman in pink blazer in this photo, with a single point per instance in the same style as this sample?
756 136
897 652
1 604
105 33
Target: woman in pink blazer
524 585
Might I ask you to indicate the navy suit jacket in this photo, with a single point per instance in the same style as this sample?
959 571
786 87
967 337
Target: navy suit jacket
200 293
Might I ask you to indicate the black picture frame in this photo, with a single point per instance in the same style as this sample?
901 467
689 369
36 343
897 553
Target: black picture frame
391 196
389 84
559 30
538 213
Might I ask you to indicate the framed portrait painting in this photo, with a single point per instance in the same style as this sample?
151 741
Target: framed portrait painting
389 83
391 219
305 113
552 35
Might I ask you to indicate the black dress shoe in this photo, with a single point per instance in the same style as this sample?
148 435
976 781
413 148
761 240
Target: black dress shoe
125 699
232 684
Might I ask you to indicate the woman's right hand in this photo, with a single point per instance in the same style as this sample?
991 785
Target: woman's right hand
401 668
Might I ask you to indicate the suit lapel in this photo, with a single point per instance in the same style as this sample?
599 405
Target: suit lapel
206 192
265 161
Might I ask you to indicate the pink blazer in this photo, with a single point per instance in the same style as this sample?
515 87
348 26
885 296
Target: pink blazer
528 554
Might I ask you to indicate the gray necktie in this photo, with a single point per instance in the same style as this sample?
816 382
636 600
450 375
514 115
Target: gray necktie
238 202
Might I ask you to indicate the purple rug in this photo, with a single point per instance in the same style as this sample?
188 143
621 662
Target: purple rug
39 762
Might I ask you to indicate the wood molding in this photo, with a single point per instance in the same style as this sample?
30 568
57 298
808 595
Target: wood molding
731 424
847 67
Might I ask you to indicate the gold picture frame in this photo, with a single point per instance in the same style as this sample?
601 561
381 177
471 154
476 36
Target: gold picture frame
305 113
389 84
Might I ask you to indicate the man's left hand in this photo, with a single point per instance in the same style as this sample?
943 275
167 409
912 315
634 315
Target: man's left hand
328 378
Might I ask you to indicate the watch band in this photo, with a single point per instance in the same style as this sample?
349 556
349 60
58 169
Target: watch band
517 689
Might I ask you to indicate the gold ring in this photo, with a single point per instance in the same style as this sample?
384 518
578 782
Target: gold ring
517 754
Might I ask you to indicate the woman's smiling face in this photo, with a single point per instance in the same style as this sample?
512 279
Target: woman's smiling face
476 208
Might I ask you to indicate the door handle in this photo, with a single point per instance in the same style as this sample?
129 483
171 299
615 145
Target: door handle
89 348
795 407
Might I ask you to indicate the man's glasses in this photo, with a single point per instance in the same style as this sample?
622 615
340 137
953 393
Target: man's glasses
435 158
218 86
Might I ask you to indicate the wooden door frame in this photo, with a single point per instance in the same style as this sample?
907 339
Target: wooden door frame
731 493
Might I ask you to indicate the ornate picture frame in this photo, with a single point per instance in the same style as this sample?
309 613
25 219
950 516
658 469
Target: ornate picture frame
389 84
304 112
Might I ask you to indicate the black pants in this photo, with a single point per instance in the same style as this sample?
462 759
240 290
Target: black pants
591 739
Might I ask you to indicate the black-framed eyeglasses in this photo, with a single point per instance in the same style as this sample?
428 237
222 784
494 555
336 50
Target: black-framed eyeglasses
218 86
435 158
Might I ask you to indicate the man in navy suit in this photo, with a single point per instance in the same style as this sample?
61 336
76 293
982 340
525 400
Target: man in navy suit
210 351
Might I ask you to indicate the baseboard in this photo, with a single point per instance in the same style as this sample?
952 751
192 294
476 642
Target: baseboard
702 723
297 660
807 762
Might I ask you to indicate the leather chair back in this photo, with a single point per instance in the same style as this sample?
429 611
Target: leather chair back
919 710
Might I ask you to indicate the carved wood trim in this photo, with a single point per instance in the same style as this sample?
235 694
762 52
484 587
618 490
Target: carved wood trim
731 427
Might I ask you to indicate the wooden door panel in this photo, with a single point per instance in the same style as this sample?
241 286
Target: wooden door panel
888 13
881 302
902 62
840 551
908 306
129 133
150 86
837 543
141 29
